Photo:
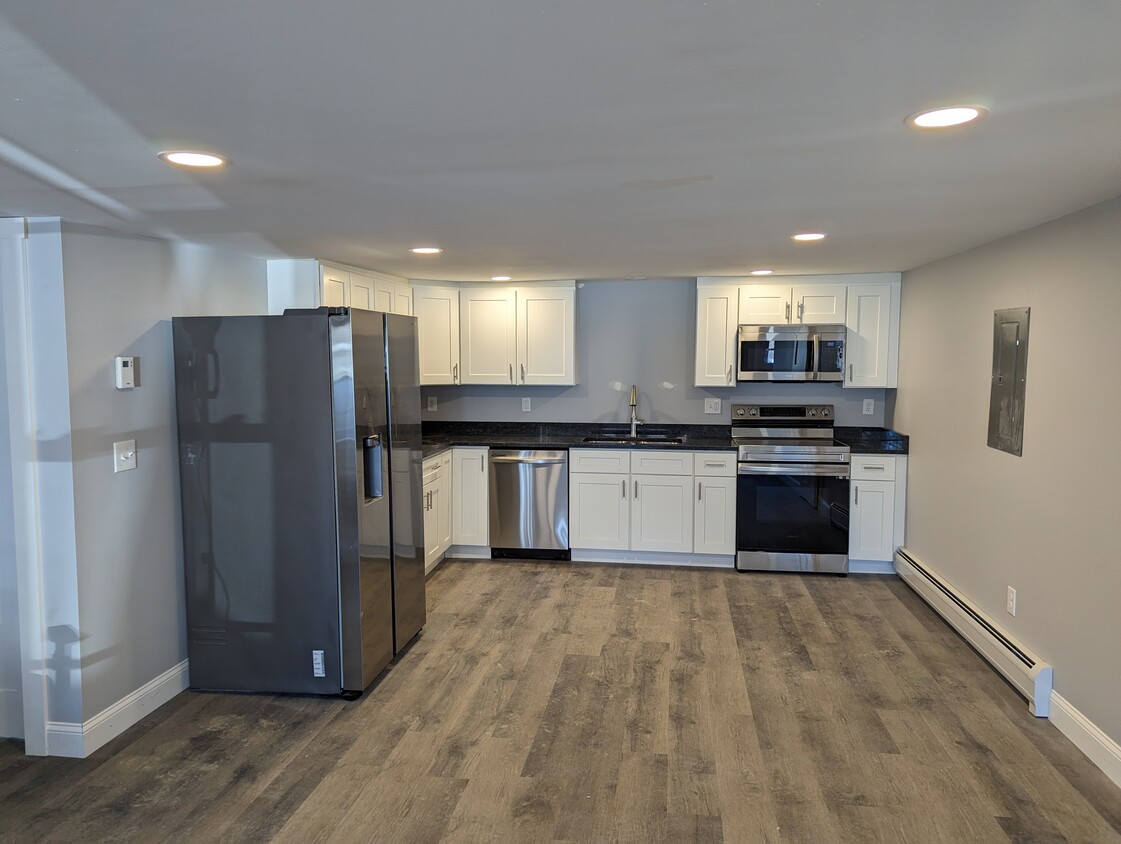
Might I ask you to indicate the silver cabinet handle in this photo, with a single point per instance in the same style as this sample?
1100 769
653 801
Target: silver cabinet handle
482 462
511 373
850 373
716 463
856 491
731 383
455 373
624 489
874 467
788 312
698 490
636 490
801 310
522 365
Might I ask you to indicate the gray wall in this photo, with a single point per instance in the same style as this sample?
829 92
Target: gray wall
120 294
1044 523
637 332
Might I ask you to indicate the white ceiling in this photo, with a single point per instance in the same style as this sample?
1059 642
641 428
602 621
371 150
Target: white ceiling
563 139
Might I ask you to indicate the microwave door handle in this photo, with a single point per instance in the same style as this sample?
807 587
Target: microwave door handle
817 357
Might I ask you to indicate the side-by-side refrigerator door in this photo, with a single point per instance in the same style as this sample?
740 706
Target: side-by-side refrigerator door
403 369
361 434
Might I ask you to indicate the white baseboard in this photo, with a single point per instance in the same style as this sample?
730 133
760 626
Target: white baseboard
871 567
1087 736
655 558
80 740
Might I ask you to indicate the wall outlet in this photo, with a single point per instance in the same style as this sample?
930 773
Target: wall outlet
1011 601
124 456
431 404
712 405
869 407
525 404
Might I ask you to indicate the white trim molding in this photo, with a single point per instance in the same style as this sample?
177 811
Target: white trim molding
1087 736
80 740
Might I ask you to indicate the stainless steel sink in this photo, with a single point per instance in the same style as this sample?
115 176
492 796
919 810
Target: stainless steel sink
625 440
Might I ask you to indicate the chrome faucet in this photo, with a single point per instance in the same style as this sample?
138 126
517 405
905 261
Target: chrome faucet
635 421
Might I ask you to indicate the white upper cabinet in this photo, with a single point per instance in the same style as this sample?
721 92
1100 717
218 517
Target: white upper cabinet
487 334
309 283
546 335
786 304
764 304
496 334
362 292
437 316
336 288
872 336
717 321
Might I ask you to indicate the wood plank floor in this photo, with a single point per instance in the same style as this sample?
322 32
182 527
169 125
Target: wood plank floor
584 703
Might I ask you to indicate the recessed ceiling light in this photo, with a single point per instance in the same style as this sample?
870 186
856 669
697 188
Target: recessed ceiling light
426 250
806 236
186 158
761 272
940 118
500 278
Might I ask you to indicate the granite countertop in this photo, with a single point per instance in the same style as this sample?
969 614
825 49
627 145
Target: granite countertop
439 436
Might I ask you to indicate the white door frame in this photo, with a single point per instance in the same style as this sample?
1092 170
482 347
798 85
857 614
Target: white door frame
15 290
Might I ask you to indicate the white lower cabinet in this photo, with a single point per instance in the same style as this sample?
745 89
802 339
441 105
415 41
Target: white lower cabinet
437 507
599 511
661 501
877 501
714 520
470 511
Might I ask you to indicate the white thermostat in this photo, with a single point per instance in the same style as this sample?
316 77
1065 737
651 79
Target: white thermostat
126 373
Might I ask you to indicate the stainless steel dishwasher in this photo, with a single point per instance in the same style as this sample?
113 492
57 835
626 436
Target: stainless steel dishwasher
529 503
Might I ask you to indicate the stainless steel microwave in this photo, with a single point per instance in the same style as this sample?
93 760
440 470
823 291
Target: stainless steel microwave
790 353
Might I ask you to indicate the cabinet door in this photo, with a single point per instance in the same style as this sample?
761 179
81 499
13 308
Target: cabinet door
662 513
431 503
437 319
403 300
872 520
819 304
717 321
487 337
714 531
361 291
546 335
335 288
470 523
599 511
868 335
764 304
444 510
383 295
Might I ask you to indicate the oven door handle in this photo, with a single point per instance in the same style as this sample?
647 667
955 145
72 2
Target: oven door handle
817 357
821 470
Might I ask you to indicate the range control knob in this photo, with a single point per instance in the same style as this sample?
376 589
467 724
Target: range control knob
825 411
739 411
813 411
753 412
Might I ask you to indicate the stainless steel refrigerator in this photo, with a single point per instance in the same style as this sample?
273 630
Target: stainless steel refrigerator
300 475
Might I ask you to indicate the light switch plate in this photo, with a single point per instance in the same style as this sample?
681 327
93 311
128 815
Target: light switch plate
431 404
525 405
124 456
712 405
869 407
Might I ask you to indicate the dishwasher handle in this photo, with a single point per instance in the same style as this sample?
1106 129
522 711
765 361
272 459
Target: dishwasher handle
549 458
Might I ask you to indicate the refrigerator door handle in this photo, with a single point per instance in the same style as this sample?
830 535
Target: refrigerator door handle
371 457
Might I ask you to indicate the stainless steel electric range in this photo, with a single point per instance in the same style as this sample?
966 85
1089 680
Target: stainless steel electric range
792 489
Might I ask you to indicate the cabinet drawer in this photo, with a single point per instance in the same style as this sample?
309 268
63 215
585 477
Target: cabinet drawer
714 464
661 462
603 460
873 467
433 468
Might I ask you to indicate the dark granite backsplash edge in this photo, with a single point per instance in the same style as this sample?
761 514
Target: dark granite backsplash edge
545 430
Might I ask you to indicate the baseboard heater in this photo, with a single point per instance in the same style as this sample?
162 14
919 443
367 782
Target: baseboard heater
1028 673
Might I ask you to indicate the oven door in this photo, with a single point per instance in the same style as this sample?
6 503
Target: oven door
792 517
